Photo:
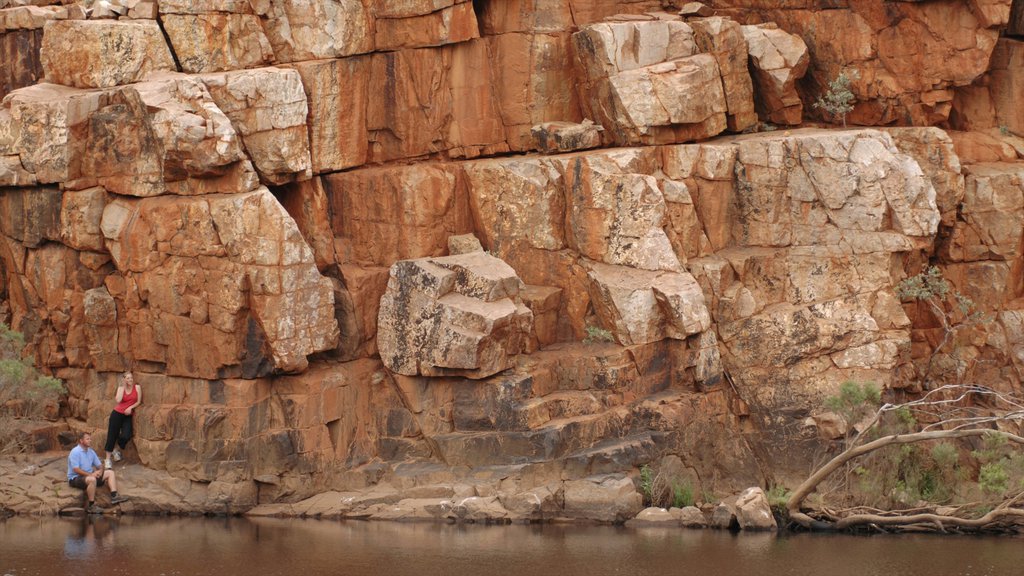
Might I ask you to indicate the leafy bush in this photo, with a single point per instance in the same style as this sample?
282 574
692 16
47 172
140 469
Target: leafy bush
24 392
682 494
597 334
838 99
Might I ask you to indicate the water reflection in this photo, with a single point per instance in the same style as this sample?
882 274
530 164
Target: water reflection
90 536
225 547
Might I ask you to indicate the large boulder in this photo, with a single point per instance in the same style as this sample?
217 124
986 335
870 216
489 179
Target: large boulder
778 59
454 315
108 52
604 498
219 285
660 90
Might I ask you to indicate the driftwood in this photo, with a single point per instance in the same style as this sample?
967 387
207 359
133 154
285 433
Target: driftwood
953 420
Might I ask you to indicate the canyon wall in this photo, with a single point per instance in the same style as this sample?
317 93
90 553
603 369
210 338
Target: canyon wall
517 244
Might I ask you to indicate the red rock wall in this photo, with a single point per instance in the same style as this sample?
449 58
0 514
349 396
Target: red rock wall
222 213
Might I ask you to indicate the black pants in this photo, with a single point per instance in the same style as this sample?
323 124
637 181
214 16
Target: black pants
119 428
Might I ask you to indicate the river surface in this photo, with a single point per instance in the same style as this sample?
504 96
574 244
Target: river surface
234 546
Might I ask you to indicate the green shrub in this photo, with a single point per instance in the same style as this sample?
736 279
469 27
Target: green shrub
24 392
647 484
838 99
682 494
598 334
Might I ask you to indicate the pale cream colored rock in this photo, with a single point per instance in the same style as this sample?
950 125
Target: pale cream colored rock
778 60
517 202
213 42
689 517
107 53
616 217
205 6
81 212
463 244
753 511
723 39
642 306
890 194
645 82
13 174
30 17
311 29
555 137
608 499
268 108
197 137
479 509
652 517
454 315
933 150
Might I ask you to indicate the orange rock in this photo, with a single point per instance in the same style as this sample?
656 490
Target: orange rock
389 214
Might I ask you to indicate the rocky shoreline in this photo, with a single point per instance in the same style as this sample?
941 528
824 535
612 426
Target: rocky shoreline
36 487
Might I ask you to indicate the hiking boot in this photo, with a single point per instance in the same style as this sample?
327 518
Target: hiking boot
117 455
94 509
107 464
118 499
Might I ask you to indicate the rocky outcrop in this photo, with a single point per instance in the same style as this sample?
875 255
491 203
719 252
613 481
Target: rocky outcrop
457 315
778 60
300 224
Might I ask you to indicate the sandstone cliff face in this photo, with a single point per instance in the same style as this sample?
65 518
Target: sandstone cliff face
252 204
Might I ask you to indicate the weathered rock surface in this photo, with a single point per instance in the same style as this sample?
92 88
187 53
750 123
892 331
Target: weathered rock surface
108 52
661 90
778 60
457 315
753 511
908 72
451 383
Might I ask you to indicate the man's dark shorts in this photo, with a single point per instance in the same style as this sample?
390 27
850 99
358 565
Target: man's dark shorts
79 482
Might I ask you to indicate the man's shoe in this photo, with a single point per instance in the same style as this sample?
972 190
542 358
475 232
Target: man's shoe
107 464
118 499
117 455
94 509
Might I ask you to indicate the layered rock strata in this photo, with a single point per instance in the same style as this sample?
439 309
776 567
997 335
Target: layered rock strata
301 224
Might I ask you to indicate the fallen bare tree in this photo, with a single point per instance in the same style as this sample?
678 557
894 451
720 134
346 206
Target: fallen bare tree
951 412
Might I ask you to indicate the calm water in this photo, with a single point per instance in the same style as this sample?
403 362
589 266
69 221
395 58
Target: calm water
226 547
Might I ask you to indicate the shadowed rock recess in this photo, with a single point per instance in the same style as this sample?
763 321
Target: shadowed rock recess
484 260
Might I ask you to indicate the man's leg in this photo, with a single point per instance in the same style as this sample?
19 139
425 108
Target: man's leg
110 480
90 489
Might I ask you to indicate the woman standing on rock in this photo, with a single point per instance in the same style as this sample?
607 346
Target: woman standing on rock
119 427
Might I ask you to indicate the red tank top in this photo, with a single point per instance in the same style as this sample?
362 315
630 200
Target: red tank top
129 398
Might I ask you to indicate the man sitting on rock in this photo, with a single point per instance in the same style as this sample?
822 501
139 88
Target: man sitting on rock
86 472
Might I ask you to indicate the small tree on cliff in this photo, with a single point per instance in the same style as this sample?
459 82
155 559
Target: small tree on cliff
24 392
838 99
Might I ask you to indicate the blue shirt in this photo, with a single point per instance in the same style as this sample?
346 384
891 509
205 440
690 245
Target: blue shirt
86 459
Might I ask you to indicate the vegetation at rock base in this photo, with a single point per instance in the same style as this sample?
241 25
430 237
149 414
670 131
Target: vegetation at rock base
24 392
597 334
947 459
665 491
838 99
